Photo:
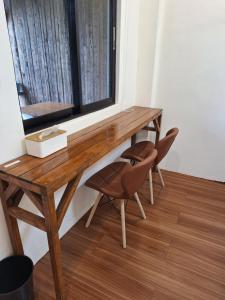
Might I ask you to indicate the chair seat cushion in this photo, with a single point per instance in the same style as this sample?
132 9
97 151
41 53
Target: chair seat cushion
139 151
108 180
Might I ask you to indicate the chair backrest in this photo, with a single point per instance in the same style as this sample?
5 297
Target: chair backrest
163 146
135 177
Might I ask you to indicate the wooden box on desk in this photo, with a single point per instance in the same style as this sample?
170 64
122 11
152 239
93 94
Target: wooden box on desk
44 143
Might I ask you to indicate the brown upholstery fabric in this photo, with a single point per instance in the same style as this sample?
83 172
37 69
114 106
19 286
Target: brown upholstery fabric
121 180
108 180
135 177
140 151
164 145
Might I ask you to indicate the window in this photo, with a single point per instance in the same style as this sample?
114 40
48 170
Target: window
64 57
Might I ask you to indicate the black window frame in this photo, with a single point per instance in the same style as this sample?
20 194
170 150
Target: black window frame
48 120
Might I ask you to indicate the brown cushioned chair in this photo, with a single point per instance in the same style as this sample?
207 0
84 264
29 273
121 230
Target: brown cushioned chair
120 180
141 150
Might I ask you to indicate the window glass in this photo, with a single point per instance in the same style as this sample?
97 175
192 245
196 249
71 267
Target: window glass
39 39
93 35
64 57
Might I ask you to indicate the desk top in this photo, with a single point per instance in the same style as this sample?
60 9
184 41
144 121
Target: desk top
85 147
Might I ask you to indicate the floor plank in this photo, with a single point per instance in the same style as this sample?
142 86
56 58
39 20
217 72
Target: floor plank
177 253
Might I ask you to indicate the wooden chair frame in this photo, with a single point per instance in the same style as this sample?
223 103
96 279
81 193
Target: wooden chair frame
122 213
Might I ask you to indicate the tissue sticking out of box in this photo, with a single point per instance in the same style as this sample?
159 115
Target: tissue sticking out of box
45 135
48 132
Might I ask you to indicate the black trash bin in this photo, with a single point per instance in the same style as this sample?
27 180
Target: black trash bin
16 278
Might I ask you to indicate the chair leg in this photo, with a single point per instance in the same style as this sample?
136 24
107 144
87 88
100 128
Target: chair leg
93 210
151 187
161 177
122 211
140 205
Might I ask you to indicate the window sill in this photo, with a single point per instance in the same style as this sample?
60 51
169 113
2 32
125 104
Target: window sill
80 121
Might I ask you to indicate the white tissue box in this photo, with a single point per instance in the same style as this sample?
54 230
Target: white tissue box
46 142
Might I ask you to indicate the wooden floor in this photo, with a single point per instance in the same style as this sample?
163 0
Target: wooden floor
177 253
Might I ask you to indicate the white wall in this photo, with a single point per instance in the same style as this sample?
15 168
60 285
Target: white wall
189 84
10 143
11 129
148 21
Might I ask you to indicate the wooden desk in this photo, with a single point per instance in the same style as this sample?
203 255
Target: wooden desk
40 178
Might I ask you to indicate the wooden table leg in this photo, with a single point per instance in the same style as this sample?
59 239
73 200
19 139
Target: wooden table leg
157 124
11 222
54 244
156 128
11 195
133 139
